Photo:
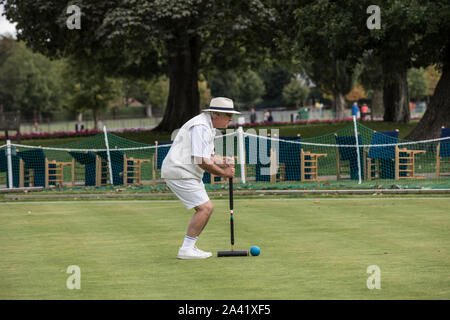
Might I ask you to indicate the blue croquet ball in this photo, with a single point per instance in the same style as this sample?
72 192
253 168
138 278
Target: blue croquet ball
255 251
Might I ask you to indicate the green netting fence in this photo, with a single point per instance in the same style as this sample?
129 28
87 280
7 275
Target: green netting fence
355 157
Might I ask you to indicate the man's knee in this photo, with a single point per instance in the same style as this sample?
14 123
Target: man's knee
207 208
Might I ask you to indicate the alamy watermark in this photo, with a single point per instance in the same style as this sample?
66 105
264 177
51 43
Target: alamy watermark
374 280
74 280
374 20
74 20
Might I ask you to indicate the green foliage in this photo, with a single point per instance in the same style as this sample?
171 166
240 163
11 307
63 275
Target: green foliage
137 37
88 89
275 78
143 39
157 92
245 88
152 92
417 85
248 89
331 43
29 82
413 33
371 76
222 83
295 92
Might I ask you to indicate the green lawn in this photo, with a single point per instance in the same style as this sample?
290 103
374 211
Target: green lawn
310 250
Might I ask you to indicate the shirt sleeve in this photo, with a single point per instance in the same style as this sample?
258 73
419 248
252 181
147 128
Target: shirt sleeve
200 141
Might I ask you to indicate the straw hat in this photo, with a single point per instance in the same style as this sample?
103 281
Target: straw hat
221 104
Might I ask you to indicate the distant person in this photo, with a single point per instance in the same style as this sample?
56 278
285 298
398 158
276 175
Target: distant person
253 116
355 109
270 117
364 111
266 115
79 127
317 107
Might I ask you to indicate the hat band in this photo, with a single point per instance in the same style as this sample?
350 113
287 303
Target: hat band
220 108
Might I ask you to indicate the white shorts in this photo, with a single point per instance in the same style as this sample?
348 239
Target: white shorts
190 191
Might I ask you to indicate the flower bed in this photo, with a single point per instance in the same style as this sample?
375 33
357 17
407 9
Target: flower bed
67 134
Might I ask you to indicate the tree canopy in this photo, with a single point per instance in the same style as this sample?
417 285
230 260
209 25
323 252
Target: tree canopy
29 82
184 38
412 34
140 38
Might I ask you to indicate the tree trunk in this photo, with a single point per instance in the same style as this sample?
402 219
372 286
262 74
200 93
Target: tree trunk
183 102
148 111
339 105
438 111
395 97
377 107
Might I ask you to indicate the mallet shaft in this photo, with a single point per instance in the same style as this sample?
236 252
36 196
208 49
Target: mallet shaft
231 213
230 189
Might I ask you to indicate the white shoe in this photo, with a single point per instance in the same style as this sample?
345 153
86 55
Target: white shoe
208 254
193 253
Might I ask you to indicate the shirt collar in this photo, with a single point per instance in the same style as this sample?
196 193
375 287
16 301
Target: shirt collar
210 120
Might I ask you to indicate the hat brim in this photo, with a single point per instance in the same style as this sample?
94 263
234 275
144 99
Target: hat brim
222 111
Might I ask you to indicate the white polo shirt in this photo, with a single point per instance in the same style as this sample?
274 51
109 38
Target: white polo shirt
200 141
179 163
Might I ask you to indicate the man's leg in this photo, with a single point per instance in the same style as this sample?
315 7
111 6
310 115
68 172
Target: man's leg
200 219
198 222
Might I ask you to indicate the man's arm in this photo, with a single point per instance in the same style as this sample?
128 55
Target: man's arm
213 168
216 165
222 161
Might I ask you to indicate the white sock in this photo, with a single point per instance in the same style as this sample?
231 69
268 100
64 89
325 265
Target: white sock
189 242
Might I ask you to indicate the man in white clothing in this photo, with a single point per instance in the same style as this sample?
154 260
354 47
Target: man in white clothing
192 153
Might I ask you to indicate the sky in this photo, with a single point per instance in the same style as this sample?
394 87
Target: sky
5 25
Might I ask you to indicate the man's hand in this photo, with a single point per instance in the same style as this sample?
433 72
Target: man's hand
226 171
229 172
229 161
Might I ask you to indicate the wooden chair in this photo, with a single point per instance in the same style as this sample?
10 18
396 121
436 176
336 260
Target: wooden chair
26 176
54 172
132 170
101 172
79 173
405 163
443 155
280 174
310 165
